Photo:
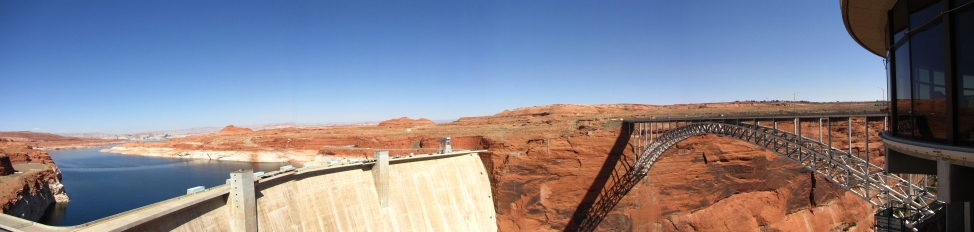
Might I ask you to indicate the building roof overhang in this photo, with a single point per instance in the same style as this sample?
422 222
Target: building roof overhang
865 20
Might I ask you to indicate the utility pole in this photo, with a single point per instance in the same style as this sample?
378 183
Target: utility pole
884 93
794 99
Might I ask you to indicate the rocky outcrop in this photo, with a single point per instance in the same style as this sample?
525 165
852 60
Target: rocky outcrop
232 130
406 122
573 110
711 183
36 184
51 141
38 190
57 189
6 167
22 153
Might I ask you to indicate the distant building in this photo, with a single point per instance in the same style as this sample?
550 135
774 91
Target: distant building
929 49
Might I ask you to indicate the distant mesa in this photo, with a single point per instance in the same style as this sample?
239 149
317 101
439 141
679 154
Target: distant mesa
572 110
404 121
38 140
230 130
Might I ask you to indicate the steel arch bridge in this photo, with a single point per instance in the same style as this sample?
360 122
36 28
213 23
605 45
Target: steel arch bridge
908 199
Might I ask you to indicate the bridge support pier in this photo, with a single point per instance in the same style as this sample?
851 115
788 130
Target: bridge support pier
243 201
380 174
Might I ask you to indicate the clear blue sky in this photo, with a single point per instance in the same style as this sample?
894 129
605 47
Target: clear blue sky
134 66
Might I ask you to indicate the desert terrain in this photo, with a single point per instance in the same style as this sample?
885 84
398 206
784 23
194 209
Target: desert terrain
29 180
544 160
45 141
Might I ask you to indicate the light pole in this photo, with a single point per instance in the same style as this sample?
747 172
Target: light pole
794 99
884 93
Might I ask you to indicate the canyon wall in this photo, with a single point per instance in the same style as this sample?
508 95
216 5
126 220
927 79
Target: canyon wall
38 190
30 181
707 183
712 183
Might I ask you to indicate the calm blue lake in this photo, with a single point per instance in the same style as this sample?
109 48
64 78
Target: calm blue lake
103 184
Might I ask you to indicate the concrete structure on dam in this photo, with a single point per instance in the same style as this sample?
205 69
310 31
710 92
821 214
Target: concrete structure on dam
442 192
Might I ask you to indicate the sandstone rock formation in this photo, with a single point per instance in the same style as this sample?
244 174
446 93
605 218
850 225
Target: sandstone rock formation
573 110
29 195
6 167
35 185
406 122
22 153
711 183
232 130
543 162
52 141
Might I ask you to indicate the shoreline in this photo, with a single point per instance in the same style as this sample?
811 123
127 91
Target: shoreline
289 156
68 147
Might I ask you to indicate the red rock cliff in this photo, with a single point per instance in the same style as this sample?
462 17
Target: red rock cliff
231 130
6 167
52 141
36 183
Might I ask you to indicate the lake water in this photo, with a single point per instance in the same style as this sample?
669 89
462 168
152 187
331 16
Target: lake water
103 184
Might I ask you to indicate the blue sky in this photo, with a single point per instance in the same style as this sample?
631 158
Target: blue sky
134 66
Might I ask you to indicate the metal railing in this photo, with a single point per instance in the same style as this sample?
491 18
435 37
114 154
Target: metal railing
909 200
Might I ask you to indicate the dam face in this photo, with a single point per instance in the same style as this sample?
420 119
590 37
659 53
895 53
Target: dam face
429 194
448 192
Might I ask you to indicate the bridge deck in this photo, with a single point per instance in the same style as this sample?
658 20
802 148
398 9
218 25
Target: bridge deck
850 168
750 117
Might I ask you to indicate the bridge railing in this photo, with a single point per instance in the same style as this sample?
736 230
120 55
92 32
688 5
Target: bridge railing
911 199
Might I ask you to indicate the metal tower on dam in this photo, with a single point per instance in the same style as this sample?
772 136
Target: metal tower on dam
903 201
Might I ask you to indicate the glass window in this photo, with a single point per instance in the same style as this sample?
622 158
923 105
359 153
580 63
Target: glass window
888 88
959 2
924 15
964 60
929 92
904 91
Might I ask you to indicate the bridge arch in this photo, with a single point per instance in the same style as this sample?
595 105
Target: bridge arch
906 200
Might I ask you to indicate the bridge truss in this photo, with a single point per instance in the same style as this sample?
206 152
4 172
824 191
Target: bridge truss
906 197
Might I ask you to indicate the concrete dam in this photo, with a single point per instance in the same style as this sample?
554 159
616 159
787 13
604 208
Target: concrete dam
441 192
